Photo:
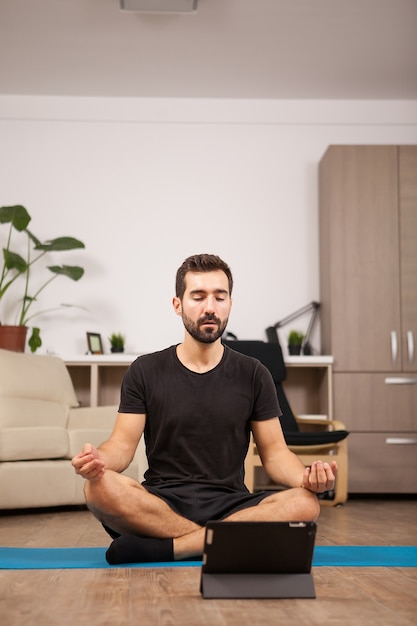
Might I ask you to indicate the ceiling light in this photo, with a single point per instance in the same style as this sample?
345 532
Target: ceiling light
159 6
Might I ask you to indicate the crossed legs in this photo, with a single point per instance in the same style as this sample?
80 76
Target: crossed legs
128 508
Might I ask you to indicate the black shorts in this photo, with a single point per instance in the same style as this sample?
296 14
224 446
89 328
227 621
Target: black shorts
201 502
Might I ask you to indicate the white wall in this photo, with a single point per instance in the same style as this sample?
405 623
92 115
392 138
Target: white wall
145 183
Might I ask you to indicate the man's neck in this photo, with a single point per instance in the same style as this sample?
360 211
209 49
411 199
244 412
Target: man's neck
199 357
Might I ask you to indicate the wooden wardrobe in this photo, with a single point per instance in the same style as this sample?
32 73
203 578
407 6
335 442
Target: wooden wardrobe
368 293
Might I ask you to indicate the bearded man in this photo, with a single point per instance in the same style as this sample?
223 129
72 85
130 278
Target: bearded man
196 404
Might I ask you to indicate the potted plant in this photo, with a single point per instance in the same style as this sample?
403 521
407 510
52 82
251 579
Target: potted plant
13 266
295 341
117 342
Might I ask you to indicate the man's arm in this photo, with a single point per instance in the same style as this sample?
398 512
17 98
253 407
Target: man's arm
116 453
283 466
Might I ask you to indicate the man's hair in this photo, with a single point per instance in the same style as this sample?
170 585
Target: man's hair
201 263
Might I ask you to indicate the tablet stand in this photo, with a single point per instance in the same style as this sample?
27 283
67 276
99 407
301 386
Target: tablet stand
257 586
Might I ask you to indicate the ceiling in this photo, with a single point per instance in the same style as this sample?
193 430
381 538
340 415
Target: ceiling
280 49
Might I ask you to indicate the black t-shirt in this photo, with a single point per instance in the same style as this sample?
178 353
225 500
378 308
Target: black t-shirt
198 425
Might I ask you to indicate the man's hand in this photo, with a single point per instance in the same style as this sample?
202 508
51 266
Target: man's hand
88 463
320 477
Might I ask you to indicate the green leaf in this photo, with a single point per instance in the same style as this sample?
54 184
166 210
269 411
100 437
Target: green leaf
60 243
71 271
33 238
14 261
16 215
35 341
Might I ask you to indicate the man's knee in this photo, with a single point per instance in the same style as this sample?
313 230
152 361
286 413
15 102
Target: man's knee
309 505
91 497
111 492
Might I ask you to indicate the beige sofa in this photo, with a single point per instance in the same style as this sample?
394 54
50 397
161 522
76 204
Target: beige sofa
41 429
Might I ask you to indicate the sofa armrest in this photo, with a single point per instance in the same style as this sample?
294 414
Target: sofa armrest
94 425
140 459
101 417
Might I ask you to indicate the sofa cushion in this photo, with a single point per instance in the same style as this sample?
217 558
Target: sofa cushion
36 442
39 483
21 412
35 377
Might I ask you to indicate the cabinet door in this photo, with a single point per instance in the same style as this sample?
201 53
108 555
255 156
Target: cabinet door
376 402
408 234
360 287
382 463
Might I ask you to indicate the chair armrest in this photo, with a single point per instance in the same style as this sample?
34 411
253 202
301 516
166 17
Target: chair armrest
337 425
328 424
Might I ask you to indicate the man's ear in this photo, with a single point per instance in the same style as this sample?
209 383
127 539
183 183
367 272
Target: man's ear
176 303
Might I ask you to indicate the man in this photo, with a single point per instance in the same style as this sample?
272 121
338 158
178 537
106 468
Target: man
196 403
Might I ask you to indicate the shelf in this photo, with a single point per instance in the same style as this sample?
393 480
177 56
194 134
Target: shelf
100 359
97 379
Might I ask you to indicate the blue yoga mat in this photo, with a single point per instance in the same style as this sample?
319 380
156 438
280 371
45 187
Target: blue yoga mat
94 558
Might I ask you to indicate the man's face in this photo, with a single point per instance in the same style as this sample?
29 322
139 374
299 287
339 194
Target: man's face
205 306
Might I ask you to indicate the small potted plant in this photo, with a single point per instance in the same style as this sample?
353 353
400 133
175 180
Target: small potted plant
295 341
20 271
117 342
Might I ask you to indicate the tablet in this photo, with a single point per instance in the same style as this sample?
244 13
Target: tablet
258 559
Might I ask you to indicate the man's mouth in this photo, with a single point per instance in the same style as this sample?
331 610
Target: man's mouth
209 323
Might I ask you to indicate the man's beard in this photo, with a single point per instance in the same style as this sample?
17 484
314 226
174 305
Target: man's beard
206 335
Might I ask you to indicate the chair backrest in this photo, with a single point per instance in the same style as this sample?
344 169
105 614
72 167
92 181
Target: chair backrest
270 355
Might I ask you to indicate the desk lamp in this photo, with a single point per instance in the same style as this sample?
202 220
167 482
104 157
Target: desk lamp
272 334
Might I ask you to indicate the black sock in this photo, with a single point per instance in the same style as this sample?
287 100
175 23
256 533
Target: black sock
113 534
133 549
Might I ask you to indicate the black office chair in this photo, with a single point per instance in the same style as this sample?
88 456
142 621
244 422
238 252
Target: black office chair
328 440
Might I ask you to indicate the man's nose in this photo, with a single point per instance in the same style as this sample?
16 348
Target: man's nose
210 304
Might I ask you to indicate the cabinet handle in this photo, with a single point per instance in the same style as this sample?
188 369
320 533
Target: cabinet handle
394 346
401 441
410 346
401 380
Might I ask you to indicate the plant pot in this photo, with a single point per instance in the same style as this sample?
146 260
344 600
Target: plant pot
294 350
117 350
13 338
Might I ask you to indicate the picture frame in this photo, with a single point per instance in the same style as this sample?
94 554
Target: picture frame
95 345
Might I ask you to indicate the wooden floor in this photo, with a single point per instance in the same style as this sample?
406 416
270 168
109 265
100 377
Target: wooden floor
162 597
